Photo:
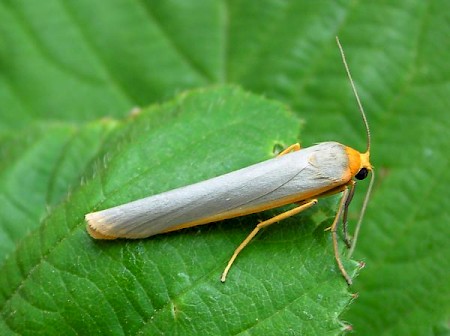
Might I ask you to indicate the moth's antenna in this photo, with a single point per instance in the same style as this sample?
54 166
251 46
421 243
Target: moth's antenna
361 109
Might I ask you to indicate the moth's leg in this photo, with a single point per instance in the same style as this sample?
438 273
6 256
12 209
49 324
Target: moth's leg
261 225
333 229
291 148
344 216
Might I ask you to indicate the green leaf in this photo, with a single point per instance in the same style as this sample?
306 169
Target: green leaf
38 168
286 279
81 60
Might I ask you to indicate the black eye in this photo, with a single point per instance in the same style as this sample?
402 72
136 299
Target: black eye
362 174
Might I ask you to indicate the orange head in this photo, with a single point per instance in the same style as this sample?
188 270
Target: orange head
359 163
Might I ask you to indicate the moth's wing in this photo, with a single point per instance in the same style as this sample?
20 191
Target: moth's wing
292 177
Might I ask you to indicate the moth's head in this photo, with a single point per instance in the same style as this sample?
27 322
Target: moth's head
359 163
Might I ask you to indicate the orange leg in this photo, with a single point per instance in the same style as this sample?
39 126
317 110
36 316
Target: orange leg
291 148
347 239
261 225
333 229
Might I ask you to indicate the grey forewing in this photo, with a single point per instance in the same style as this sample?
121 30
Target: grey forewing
311 168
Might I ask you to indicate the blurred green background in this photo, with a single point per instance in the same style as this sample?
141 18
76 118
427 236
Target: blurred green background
71 72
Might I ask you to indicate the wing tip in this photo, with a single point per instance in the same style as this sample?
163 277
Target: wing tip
94 224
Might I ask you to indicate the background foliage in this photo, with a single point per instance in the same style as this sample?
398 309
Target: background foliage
71 72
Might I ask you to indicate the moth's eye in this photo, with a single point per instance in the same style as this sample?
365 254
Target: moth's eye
362 174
